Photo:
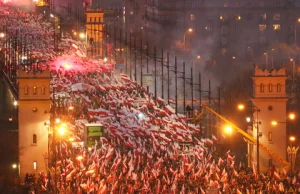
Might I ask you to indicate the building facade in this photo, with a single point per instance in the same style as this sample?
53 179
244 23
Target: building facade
269 98
34 100
239 29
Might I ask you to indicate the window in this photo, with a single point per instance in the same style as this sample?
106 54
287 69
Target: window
249 16
237 17
192 17
34 139
226 4
43 90
261 87
223 51
276 27
270 162
278 88
26 90
249 4
249 39
193 4
34 90
34 165
276 16
224 30
277 4
261 4
270 136
262 27
91 19
224 40
263 16
270 87
236 28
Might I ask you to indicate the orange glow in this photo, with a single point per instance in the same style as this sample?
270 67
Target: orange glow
292 116
292 138
241 107
79 157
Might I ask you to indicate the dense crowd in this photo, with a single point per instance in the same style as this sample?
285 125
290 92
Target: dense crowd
146 147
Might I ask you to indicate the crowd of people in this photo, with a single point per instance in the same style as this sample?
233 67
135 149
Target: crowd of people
146 147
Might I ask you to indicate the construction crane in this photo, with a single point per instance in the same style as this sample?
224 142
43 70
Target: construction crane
246 135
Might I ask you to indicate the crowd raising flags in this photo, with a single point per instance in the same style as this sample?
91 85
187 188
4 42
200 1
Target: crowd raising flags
147 148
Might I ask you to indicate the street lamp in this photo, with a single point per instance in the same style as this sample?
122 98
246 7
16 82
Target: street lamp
257 122
184 39
266 54
298 21
292 151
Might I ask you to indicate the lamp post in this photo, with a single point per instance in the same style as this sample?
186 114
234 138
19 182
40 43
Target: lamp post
184 37
292 152
257 122
298 21
266 54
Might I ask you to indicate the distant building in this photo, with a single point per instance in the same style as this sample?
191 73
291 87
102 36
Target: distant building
240 29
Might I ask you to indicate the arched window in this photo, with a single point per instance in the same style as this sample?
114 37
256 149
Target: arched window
34 165
43 90
34 89
270 87
26 90
278 88
34 139
261 87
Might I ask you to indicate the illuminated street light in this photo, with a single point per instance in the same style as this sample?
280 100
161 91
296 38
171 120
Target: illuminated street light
14 166
15 103
184 41
82 35
292 116
292 138
274 123
57 120
248 119
2 35
228 129
241 107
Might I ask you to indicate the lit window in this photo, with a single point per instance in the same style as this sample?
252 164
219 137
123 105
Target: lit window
276 16
238 17
43 90
263 16
270 136
35 165
276 27
26 90
261 87
262 27
192 17
34 89
270 87
34 139
278 88
223 51
221 17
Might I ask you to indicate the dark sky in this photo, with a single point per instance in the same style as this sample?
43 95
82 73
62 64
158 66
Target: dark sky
108 3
